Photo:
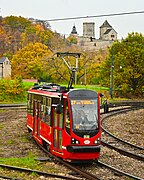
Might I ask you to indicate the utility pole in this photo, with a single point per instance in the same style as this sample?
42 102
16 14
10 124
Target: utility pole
112 75
85 75
76 70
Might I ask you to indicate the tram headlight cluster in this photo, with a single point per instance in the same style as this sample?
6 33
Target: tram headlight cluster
74 141
97 141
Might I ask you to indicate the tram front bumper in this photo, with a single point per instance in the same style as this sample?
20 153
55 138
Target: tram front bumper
83 149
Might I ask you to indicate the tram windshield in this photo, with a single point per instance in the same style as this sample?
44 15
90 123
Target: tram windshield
85 114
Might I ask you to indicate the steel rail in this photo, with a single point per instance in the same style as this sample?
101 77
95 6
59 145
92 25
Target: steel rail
12 178
102 164
75 169
121 151
35 171
81 172
118 171
13 105
118 111
132 155
127 103
121 140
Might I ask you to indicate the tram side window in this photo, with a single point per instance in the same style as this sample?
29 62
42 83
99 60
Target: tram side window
67 118
30 104
48 115
42 112
61 121
46 110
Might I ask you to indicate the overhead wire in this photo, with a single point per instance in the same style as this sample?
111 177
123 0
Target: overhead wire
96 16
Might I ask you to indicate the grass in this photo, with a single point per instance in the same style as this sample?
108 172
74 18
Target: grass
10 141
97 88
26 162
27 85
24 139
91 87
1 126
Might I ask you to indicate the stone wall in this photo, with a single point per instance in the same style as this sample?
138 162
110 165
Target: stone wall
93 44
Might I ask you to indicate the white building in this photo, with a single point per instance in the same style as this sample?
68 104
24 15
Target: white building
5 68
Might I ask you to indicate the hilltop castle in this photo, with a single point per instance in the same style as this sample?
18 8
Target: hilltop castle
88 40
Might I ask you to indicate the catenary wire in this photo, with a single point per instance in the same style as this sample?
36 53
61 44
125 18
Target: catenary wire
96 16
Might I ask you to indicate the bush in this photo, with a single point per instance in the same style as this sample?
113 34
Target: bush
12 90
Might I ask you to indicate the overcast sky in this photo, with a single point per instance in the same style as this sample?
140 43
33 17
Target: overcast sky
51 9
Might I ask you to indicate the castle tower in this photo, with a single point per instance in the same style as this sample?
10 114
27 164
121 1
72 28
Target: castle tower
107 32
74 32
89 29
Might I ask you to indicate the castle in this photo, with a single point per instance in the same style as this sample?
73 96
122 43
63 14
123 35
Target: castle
88 40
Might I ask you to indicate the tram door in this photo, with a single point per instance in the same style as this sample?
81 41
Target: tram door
36 118
57 130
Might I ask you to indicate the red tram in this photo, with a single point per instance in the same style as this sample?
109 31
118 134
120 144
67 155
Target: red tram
66 122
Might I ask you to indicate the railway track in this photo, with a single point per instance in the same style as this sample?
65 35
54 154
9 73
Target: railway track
45 174
82 173
120 140
114 142
123 147
88 176
131 103
124 152
70 166
9 177
13 106
121 173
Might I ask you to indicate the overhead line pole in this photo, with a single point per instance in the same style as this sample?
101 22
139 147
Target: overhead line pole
112 74
73 69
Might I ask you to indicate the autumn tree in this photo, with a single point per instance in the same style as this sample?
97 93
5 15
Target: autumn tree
18 32
92 64
72 39
127 59
88 67
12 27
30 62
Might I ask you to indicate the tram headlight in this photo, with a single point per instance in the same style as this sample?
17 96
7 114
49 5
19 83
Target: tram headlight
74 141
97 141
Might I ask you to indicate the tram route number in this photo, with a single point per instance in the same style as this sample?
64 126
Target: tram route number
82 102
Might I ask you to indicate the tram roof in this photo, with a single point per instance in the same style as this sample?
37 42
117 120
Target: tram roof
51 89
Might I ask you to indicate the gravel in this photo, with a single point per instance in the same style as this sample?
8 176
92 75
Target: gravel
129 127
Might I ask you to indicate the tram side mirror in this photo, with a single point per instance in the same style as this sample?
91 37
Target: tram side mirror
59 109
101 94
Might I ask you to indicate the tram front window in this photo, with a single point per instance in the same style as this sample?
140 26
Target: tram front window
85 114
